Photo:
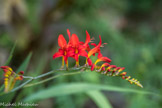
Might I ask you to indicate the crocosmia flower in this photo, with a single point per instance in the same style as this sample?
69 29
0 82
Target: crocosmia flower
96 49
10 77
63 50
75 48
93 51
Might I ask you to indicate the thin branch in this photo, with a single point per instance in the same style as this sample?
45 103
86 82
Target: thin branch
20 86
51 72
56 76
40 76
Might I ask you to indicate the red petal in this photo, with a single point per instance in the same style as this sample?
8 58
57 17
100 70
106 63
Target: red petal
108 70
103 68
4 67
83 53
21 73
89 61
68 32
92 67
92 51
123 74
70 53
61 41
74 40
100 41
5 70
105 64
88 48
105 59
99 55
88 39
95 49
57 54
81 43
118 68
76 57
93 44
121 69
112 66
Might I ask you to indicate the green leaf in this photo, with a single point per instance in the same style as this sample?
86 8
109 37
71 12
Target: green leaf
25 63
99 99
67 89
11 55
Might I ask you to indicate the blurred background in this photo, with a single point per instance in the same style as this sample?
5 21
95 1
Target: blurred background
132 29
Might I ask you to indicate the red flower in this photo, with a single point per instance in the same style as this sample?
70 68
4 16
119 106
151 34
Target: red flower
74 48
96 49
78 48
63 50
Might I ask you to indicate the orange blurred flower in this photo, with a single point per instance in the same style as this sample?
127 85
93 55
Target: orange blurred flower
10 77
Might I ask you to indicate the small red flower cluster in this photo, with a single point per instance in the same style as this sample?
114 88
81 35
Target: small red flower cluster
10 77
75 48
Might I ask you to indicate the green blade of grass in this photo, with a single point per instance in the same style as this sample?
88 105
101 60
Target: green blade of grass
67 89
24 65
11 55
100 100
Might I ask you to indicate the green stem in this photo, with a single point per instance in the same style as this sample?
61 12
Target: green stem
50 72
40 76
56 76
21 85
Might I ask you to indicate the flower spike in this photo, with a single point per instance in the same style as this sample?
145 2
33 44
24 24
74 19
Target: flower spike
75 48
10 77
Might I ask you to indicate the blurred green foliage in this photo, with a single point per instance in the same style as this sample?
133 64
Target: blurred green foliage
132 30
